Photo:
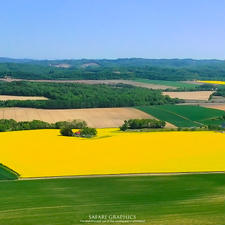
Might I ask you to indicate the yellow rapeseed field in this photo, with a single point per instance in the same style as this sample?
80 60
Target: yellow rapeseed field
212 82
42 153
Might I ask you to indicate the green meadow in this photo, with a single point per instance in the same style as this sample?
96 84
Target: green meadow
156 200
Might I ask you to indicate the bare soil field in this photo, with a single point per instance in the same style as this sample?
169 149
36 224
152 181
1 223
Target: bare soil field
11 97
110 82
190 95
98 117
214 106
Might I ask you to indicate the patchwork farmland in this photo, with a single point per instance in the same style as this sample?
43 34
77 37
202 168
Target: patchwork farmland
185 115
116 167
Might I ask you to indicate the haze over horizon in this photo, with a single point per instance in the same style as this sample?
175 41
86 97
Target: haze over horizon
99 29
61 59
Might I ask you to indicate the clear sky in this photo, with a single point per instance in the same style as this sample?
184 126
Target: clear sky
57 29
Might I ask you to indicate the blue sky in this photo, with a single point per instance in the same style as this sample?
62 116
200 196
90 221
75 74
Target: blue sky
57 29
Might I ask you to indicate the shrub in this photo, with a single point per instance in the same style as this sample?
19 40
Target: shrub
75 124
78 124
214 127
88 132
66 131
142 123
7 125
32 125
60 124
2 128
125 126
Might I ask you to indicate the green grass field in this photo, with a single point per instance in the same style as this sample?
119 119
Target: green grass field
159 200
177 84
185 115
7 174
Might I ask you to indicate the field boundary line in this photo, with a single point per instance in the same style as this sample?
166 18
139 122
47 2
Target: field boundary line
122 175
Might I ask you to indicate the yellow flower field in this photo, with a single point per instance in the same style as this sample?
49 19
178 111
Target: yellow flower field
212 82
42 153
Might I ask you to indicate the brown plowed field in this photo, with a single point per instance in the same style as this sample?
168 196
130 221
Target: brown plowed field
214 106
97 117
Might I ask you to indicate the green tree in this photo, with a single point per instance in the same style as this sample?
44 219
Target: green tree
88 132
142 123
66 131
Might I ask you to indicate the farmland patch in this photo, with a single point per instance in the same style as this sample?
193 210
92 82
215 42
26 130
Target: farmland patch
120 153
184 115
157 200
215 82
98 117
170 84
109 82
11 97
214 106
190 95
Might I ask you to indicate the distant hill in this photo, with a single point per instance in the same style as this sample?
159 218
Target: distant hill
11 60
120 62
126 68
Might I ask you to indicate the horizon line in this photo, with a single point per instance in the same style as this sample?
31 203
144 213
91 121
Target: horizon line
52 59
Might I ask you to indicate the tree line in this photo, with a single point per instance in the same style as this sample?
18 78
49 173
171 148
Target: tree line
74 95
66 127
12 125
142 123
220 91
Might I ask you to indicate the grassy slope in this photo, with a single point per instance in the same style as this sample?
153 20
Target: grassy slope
167 83
184 115
171 200
7 174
